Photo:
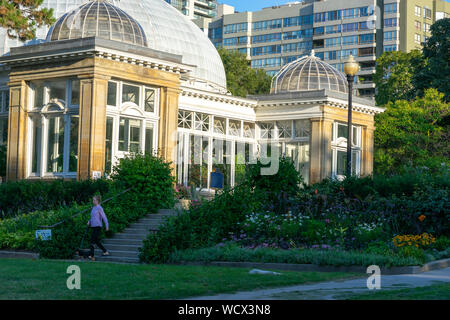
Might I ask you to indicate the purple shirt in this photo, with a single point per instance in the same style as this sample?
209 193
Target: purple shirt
97 215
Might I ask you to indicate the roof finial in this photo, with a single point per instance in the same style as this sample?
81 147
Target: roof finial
312 53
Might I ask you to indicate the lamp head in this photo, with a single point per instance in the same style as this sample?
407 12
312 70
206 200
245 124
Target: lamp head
351 67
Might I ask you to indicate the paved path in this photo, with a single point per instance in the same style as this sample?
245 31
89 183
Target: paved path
332 290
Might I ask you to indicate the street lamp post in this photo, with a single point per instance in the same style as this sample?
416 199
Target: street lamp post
351 67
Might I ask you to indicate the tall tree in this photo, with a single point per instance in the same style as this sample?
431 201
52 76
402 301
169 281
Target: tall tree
436 72
394 75
242 80
21 17
413 133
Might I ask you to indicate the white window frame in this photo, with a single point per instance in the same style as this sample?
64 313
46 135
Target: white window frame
340 144
66 112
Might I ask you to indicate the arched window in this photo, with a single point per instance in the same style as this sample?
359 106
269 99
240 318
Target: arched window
53 122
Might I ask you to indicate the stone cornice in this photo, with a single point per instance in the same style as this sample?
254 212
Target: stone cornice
94 47
196 93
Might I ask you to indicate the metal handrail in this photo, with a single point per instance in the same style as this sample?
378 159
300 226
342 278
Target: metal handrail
83 211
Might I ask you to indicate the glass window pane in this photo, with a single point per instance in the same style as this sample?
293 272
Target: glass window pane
341 166
302 128
184 119
75 92
222 159
249 130
149 100
219 125
234 128
55 145
342 131
129 135
36 144
112 94
130 94
38 95
73 152
284 129
198 161
201 122
149 139
57 90
3 131
108 145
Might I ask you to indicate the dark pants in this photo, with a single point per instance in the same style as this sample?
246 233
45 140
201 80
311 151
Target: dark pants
96 240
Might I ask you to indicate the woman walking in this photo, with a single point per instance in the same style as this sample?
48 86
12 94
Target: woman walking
97 217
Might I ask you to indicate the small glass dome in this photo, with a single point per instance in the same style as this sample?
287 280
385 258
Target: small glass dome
98 18
308 73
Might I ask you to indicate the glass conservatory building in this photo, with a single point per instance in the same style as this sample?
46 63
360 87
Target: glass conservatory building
110 78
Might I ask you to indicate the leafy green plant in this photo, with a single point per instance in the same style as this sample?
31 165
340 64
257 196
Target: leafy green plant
151 179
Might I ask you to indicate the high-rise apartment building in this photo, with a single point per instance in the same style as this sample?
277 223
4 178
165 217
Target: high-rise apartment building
196 9
275 36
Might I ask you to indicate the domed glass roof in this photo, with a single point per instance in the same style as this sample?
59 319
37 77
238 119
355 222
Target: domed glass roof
306 74
100 19
165 27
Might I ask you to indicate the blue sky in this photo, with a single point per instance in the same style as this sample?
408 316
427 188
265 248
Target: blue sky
252 5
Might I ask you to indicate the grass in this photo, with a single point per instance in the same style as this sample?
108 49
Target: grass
434 292
337 258
45 279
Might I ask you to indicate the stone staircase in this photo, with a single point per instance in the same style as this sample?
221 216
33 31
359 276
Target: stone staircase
124 246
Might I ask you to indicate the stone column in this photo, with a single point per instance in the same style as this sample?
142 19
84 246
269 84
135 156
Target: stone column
92 128
17 131
321 156
168 125
367 150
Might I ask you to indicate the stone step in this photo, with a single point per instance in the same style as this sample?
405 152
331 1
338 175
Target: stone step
129 236
113 241
117 259
122 247
167 211
144 226
118 253
144 230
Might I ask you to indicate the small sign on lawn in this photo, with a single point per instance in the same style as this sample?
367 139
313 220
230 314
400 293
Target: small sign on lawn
44 235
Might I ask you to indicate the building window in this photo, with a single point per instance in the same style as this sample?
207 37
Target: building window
391 22
266 130
417 25
390 48
390 8
284 129
130 93
339 149
53 123
249 130
234 128
185 119
220 125
417 11
109 144
201 122
130 135
112 93
427 13
417 38
302 128
426 27
390 36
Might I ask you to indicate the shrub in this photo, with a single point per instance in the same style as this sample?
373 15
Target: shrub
28 196
285 183
202 225
232 253
151 179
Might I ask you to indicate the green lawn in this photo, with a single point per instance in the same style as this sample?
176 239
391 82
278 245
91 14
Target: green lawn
435 292
46 279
